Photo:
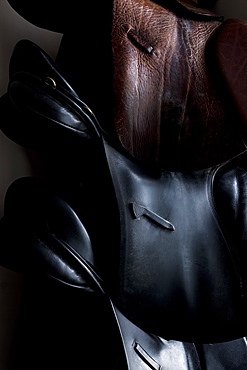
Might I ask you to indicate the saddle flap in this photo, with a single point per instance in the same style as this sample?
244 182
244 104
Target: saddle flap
178 273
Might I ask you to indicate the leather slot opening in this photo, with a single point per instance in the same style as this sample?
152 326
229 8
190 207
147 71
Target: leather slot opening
146 357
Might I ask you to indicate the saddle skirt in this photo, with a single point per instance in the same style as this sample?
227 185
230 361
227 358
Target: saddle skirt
180 271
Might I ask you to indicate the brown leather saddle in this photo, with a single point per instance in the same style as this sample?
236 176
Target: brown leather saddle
160 78
171 108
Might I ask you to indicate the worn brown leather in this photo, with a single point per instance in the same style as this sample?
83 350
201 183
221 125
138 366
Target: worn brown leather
231 53
170 108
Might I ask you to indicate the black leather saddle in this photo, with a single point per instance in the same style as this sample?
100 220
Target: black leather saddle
171 270
146 265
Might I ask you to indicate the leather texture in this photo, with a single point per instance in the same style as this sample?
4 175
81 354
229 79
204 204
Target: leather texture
228 355
43 238
55 242
181 268
145 351
51 242
230 50
125 344
128 346
42 99
178 78
170 109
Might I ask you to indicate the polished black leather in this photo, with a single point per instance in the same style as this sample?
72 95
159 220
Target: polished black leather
41 98
54 240
35 213
182 226
147 351
50 242
181 271
222 356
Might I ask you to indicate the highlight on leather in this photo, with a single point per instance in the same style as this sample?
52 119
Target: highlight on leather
171 111
178 267
40 100
49 237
